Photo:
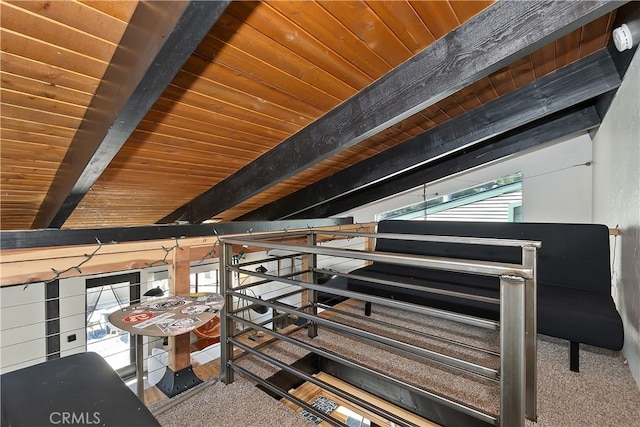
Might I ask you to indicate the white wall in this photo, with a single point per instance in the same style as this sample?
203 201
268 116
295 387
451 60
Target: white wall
557 187
616 195
22 326
72 315
554 189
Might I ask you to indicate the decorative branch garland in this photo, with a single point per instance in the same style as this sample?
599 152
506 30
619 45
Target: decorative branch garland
212 252
167 251
59 273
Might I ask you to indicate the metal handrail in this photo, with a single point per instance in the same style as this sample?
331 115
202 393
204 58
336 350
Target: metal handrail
486 268
517 374
489 241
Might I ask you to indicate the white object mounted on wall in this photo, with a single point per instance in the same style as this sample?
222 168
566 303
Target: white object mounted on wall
622 38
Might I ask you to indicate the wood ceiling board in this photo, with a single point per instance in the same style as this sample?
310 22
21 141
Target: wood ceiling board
502 81
568 48
265 19
33 87
82 17
273 118
438 16
484 90
48 119
544 60
240 62
218 73
20 150
522 71
40 169
47 53
221 83
34 129
184 136
47 74
466 10
190 119
467 99
367 26
315 19
150 54
163 135
596 35
264 49
61 36
52 61
39 140
40 103
171 146
176 165
122 10
403 20
451 106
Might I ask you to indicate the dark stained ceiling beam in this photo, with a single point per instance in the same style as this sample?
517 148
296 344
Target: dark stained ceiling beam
157 42
26 239
502 33
585 79
576 120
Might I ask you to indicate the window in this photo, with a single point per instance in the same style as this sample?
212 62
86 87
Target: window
104 296
499 200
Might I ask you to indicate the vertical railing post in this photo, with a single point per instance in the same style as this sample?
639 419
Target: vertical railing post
226 323
139 366
512 351
529 259
312 295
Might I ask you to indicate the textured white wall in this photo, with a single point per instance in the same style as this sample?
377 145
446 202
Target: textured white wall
72 315
554 188
616 197
22 326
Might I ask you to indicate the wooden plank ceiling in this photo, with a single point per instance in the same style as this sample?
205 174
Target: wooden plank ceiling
263 73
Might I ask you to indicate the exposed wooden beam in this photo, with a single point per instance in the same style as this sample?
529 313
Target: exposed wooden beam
85 236
574 121
575 83
37 264
159 39
492 39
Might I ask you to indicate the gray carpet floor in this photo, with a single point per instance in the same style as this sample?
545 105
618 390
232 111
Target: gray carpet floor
603 393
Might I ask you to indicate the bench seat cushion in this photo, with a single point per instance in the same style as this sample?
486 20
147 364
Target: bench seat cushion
423 278
566 313
579 316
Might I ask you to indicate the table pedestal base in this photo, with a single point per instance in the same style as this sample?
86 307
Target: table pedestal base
174 383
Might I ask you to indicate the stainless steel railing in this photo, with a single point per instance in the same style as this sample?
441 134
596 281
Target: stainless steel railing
517 326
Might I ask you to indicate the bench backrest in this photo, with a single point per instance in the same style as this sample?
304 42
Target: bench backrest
572 255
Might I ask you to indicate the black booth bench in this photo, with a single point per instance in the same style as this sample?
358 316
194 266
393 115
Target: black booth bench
573 276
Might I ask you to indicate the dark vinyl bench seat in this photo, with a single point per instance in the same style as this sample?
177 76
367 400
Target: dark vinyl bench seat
574 299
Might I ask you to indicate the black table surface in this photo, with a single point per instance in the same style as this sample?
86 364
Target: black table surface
81 389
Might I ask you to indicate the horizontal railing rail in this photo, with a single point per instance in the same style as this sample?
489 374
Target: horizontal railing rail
517 372
450 264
